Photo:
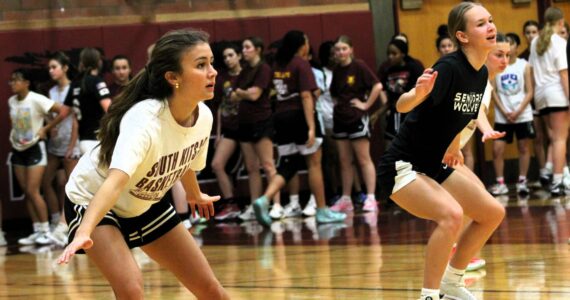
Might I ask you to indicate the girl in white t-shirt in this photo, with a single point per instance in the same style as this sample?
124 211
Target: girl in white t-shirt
154 133
27 113
513 114
62 148
550 71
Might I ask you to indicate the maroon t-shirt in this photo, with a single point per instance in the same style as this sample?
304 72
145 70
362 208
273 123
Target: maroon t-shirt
228 109
115 89
260 109
349 82
290 81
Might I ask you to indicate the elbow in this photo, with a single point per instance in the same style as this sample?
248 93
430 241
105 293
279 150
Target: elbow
401 108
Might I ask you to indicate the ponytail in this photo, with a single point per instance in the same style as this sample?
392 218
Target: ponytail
134 92
149 83
544 39
551 16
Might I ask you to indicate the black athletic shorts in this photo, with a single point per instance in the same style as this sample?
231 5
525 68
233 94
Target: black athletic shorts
137 231
352 131
393 175
254 132
523 130
231 134
31 157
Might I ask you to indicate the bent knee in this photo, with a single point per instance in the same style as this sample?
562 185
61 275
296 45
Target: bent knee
451 219
133 289
217 166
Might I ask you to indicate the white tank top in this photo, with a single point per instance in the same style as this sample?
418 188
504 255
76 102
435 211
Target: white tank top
511 92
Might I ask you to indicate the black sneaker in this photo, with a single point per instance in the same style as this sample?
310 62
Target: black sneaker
545 179
557 189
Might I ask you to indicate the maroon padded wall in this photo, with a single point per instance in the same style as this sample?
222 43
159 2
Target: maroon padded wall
133 40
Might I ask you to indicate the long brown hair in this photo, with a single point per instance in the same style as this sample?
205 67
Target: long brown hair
551 16
149 83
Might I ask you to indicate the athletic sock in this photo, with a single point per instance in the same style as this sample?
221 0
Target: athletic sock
452 274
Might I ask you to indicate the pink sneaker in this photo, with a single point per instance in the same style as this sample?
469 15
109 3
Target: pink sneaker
231 211
370 204
344 204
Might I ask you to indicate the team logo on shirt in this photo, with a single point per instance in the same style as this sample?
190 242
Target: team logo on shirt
510 84
166 171
350 80
467 103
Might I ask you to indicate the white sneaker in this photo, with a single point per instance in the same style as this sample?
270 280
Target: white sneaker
566 181
248 214
370 204
311 207
456 291
277 212
59 237
2 239
43 239
29 240
522 188
499 189
293 210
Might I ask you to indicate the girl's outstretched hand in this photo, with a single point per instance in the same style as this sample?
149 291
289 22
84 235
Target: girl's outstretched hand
492 135
79 242
425 83
204 205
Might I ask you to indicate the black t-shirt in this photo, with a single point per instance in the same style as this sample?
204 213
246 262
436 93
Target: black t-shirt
431 126
399 79
84 97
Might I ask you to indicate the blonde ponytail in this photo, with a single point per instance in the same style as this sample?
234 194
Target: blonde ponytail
552 15
544 39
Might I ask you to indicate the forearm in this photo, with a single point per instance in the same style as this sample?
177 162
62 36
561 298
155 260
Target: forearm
62 114
190 183
483 122
251 94
74 133
409 101
104 199
308 109
525 102
374 94
455 144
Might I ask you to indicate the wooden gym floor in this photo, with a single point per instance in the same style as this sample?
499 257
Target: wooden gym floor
368 257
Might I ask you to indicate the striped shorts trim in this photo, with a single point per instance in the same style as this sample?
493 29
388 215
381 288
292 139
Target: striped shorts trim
137 231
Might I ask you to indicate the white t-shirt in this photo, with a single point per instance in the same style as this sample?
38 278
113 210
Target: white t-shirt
153 149
57 145
469 130
510 89
325 104
27 117
546 67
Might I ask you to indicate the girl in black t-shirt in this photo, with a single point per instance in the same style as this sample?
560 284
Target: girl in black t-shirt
226 129
445 99
298 135
255 129
89 97
354 89
398 78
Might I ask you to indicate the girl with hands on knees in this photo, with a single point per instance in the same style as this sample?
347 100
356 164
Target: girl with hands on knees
154 133
411 171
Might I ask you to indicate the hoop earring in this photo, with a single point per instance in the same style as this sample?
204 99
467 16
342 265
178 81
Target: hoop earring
177 85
